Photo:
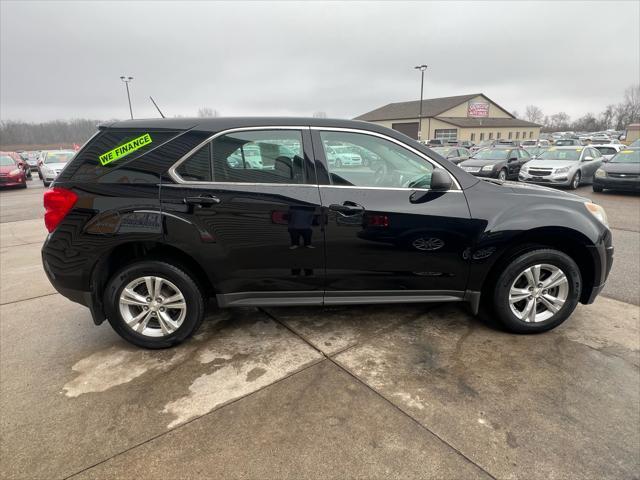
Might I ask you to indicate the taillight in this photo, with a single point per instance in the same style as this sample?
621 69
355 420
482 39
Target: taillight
57 203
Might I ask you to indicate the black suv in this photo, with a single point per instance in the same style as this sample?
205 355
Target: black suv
153 217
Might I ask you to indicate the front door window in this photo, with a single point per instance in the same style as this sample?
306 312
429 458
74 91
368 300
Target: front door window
361 160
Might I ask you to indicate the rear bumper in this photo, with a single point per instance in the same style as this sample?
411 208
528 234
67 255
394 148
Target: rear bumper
632 184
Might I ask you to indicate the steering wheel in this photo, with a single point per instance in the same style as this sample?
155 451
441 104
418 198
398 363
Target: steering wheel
381 173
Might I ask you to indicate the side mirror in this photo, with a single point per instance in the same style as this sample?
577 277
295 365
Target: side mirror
587 159
440 180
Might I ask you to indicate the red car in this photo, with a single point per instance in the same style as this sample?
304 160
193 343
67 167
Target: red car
11 174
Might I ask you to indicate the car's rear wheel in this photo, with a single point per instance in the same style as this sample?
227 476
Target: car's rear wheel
575 181
502 175
537 291
153 304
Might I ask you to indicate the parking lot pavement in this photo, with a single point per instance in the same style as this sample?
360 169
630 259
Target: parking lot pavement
380 391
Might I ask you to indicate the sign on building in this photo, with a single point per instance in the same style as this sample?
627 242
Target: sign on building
478 109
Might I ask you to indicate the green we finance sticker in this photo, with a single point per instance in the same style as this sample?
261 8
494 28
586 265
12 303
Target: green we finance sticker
125 149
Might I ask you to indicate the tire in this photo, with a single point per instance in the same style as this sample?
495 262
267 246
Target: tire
502 175
513 276
152 334
575 181
597 188
46 184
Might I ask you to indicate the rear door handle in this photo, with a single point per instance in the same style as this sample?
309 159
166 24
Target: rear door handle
204 200
347 208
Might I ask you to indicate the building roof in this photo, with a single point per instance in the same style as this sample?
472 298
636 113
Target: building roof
466 122
431 107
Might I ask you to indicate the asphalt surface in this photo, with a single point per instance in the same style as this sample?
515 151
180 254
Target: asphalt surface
418 391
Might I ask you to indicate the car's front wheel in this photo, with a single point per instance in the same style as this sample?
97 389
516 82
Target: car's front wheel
153 304
537 291
597 188
502 175
575 181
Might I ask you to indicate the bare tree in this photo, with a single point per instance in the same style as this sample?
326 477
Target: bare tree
207 112
533 114
319 114
560 121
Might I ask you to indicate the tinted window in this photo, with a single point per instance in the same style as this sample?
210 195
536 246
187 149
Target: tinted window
198 167
379 163
264 156
606 150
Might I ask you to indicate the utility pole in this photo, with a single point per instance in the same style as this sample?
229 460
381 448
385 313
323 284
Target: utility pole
126 81
422 69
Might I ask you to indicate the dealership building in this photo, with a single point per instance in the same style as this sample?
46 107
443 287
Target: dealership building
472 117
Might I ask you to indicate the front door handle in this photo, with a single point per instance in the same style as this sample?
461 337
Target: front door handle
202 201
347 208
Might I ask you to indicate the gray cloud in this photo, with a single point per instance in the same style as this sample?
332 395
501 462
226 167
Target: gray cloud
64 59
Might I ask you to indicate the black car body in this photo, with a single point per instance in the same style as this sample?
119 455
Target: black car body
161 199
622 172
497 162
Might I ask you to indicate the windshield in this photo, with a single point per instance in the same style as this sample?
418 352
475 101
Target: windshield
572 154
491 155
627 156
6 161
59 157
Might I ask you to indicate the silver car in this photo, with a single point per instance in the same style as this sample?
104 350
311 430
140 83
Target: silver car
52 162
562 166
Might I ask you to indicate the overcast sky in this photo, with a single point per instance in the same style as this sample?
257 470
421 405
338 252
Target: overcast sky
62 60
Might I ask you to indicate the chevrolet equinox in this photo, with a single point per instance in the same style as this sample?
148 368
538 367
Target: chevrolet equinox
152 218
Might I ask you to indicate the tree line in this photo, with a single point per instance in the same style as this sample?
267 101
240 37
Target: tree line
616 116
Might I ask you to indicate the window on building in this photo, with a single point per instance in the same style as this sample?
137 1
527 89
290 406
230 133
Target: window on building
446 134
260 156
481 136
473 137
510 135
517 135
530 134
490 135
498 135
524 134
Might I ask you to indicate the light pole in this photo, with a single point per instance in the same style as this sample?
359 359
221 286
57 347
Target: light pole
422 68
126 81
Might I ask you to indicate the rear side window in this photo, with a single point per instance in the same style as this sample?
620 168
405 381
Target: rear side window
115 150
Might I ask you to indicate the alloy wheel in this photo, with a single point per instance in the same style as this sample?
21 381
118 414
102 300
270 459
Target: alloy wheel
502 175
152 306
538 293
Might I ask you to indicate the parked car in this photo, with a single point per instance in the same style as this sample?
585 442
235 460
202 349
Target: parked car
535 143
53 161
434 142
600 138
21 162
344 156
453 154
483 144
466 144
11 175
32 160
622 172
564 142
608 150
149 220
502 163
563 166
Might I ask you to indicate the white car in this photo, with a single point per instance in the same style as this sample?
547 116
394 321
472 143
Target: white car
53 161
608 150
343 156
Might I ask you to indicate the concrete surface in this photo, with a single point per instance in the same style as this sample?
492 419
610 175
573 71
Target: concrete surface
412 391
